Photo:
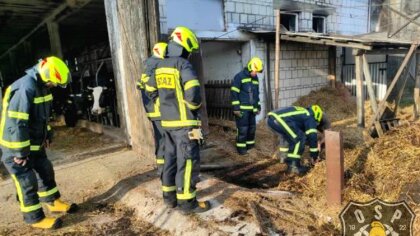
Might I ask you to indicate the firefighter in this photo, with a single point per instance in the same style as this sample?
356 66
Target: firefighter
246 104
24 136
298 125
152 108
175 83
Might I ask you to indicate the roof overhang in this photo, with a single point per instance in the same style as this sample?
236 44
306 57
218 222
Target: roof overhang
364 42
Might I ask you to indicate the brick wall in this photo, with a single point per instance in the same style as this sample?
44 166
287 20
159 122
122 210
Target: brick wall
303 68
250 13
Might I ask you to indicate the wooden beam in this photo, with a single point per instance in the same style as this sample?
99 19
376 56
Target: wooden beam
332 61
335 167
405 76
417 89
51 16
381 106
369 84
55 42
401 14
328 42
128 36
389 51
405 25
277 61
359 91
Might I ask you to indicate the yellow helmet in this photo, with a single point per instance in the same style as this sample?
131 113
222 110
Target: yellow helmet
255 64
317 111
186 38
159 50
53 69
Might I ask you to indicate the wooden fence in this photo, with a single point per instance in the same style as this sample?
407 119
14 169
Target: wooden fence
218 99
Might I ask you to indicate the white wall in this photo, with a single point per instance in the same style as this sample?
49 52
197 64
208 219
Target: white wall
221 60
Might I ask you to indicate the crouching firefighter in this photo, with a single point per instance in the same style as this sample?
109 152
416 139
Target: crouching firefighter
246 104
24 135
298 125
152 107
175 83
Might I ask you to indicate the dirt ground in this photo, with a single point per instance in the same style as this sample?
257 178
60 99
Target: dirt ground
385 168
74 144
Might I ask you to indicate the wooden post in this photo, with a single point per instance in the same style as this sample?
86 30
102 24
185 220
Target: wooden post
381 106
55 42
332 61
359 89
335 167
369 84
129 44
277 61
417 88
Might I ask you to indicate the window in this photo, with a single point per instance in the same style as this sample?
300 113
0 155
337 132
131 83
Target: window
318 24
289 21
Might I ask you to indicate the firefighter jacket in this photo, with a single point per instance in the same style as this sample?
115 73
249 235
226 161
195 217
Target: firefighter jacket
298 118
151 107
175 83
245 92
25 113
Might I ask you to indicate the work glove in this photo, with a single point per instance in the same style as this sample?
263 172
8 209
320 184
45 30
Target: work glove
21 160
315 156
237 114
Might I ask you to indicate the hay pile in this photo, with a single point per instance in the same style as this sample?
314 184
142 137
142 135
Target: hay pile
380 168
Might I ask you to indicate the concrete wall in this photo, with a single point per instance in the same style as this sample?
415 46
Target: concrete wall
221 60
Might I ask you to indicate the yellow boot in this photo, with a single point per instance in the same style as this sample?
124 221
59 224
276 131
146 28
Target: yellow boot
48 223
59 206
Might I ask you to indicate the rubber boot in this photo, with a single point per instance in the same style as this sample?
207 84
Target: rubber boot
58 206
195 206
48 223
169 199
294 167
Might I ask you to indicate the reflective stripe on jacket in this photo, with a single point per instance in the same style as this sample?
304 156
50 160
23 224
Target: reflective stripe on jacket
292 118
25 113
152 108
245 92
176 85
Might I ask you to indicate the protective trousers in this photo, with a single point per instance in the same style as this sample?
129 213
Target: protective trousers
246 126
181 168
296 144
35 183
159 144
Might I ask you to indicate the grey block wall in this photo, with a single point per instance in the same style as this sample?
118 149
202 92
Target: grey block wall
250 13
303 68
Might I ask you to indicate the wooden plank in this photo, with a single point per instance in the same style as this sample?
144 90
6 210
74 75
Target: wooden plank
401 92
332 61
369 84
328 42
378 128
359 92
381 106
417 88
128 38
55 41
335 167
277 61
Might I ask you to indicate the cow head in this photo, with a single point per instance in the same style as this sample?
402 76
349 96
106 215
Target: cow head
98 97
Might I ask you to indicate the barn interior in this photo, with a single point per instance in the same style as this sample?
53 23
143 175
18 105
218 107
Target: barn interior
75 30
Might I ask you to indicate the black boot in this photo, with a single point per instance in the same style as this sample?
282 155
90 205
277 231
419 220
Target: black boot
194 206
294 167
169 199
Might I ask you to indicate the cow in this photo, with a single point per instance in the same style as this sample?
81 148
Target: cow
104 96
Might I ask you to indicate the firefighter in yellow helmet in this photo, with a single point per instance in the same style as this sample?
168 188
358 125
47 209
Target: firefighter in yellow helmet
246 104
152 107
298 125
175 83
24 136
